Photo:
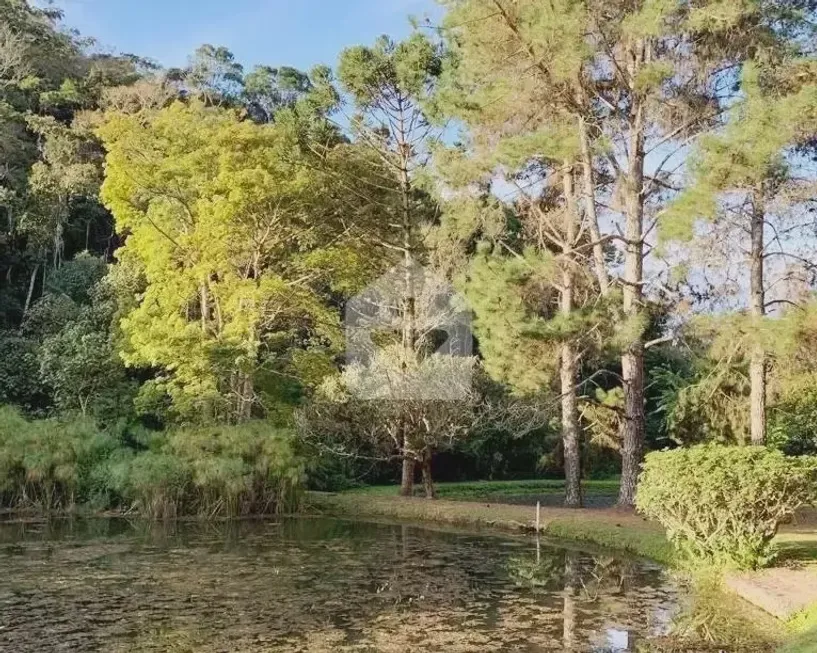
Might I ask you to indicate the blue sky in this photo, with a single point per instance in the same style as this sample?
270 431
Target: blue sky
298 33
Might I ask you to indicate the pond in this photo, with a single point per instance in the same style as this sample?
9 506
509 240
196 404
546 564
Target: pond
316 584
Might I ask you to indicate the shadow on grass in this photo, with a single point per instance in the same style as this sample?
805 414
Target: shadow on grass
794 548
549 492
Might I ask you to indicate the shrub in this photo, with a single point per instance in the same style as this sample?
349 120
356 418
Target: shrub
213 471
157 484
723 505
224 471
49 464
794 417
240 470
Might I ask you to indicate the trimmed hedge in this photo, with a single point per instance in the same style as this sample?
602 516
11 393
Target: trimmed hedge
723 505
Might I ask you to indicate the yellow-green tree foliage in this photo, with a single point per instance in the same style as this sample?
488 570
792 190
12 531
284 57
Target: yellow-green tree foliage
224 224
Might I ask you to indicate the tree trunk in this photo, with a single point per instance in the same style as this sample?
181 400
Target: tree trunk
428 481
569 357
632 360
30 293
409 344
204 304
409 308
407 481
588 179
246 397
570 428
409 328
757 309
632 368
59 245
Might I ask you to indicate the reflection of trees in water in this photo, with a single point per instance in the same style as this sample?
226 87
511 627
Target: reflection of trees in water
310 585
604 600
571 580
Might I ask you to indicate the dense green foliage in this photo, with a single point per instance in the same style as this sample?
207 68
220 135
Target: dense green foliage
620 192
722 504
216 471
60 464
223 231
179 248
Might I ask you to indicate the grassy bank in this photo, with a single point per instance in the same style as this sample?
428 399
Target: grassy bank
521 492
796 543
608 528
804 627
802 643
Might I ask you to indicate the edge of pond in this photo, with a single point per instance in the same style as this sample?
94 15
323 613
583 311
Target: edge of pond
606 528
611 529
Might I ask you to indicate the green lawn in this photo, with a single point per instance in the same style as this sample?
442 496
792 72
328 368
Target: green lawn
799 547
499 491
803 643
607 528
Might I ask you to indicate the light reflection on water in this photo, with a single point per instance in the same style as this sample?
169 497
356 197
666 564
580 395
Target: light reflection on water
316 585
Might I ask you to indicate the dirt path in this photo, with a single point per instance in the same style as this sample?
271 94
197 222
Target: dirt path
780 591
791 586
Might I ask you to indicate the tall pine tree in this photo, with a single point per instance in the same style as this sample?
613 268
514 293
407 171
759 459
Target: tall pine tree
637 81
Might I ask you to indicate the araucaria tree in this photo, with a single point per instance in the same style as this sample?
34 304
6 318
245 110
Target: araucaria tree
380 93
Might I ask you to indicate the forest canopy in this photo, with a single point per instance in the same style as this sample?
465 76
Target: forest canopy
623 194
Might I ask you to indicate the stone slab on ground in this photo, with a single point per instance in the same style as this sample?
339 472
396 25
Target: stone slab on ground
782 592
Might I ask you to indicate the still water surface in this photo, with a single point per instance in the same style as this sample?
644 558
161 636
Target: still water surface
318 585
